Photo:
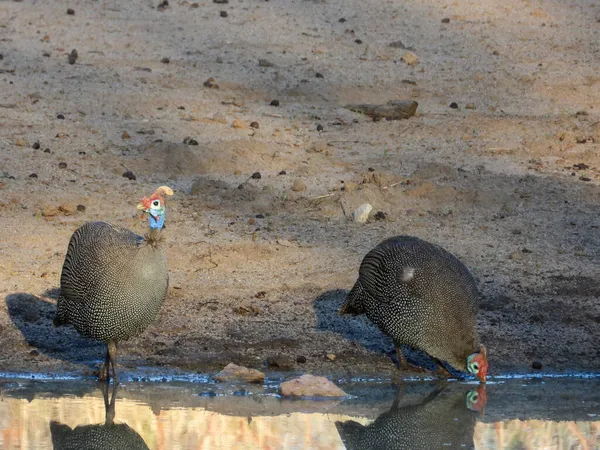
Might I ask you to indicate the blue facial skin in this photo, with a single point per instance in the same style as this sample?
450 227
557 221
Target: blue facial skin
157 221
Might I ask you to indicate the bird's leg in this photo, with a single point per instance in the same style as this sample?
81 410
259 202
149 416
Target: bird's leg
103 374
112 354
441 370
403 364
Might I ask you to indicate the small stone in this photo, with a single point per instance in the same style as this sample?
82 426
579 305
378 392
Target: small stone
239 124
60 117
255 124
233 372
342 20
251 221
330 356
319 75
211 83
33 175
319 146
410 58
71 12
72 56
537 365
274 103
470 106
125 135
585 178
221 2
20 142
280 362
454 105
50 211
165 60
301 359
129 175
68 209
310 386
516 256
357 41
361 214
163 5
265 63
298 186
526 250
256 176
445 20
223 14
319 127
47 150
380 215
282 172
81 208
36 146
34 353
189 141
62 165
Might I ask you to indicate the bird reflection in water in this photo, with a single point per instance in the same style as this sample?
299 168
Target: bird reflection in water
445 419
103 436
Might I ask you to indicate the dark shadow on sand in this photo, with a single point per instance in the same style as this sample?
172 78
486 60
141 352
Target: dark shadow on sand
33 317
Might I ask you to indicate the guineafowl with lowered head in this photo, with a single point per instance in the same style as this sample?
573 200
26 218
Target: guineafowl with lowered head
113 281
422 296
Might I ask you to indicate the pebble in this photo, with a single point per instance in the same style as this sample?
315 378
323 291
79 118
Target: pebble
470 106
20 143
537 365
265 63
255 124
282 172
68 208
47 150
50 211
189 141
239 124
342 20
36 146
330 356
165 60
223 14
60 117
71 12
410 58
33 175
211 83
221 2
163 5
454 105
319 127
310 386
274 103
319 75
298 186
361 214
72 56
233 372
81 208
62 165
301 359
125 135
357 41
280 362
129 175
445 20
380 215
256 176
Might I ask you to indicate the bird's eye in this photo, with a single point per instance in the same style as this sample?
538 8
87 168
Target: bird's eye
156 203
475 367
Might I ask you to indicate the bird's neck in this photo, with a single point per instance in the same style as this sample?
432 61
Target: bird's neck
154 236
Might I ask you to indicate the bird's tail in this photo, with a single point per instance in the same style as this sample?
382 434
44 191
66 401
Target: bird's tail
353 303
59 318
350 432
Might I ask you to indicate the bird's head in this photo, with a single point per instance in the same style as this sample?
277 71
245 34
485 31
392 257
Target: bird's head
155 207
476 399
477 364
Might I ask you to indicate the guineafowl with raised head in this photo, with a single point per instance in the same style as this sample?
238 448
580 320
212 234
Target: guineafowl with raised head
113 281
422 296
444 419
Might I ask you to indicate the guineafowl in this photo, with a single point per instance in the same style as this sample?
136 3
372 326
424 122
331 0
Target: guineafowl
444 419
422 296
104 436
113 281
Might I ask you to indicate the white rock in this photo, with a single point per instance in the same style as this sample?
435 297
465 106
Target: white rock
362 213
310 386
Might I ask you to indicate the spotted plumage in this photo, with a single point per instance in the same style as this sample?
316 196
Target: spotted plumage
422 296
113 281
445 419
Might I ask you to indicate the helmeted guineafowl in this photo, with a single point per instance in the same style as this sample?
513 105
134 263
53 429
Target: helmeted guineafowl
422 296
445 419
113 281
104 436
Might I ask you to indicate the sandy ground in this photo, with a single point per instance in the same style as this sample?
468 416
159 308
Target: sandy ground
508 180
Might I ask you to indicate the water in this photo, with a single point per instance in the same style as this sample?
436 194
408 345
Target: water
508 413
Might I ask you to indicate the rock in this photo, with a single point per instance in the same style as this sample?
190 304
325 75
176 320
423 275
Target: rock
211 83
265 63
410 58
330 356
50 211
255 124
72 56
125 135
537 365
301 359
20 142
470 106
350 186
362 213
317 147
310 386
298 186
233 372
392 110
240 124
280 362
68 208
